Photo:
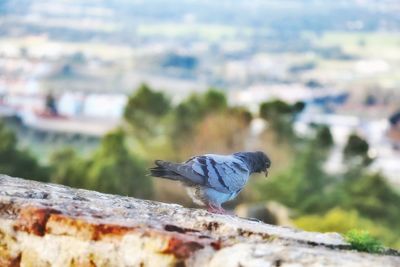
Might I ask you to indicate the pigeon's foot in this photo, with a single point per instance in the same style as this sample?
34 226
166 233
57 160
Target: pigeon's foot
216 209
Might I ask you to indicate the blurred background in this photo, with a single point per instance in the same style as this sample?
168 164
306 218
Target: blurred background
91 92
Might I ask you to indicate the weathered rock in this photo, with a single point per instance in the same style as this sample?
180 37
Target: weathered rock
52 225
269 212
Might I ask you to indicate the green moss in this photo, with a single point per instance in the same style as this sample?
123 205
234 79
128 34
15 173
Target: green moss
363 241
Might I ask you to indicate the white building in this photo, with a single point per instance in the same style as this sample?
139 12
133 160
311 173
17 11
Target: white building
109 106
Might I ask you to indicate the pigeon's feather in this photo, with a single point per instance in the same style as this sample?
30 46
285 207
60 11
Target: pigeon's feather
226 174
177 171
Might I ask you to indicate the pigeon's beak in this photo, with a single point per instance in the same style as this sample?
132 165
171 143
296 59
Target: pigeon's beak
266 173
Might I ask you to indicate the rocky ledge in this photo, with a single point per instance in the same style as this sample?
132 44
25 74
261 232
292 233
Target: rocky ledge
52 225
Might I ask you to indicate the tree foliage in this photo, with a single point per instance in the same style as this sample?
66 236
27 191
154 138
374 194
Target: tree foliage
371 195
110 169
280 116
190 112
304 185
18 162
186 115
68 168
324 137
113 169
277 108
220 133
214 100
356 149
145 108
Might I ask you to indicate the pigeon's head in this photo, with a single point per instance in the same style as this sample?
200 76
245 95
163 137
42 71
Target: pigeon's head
257 161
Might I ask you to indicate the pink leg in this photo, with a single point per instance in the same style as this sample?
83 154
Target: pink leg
215 209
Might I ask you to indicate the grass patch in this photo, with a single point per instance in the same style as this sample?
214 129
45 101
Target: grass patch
363 241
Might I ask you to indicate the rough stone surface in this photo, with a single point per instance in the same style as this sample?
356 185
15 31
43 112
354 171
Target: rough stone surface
53 225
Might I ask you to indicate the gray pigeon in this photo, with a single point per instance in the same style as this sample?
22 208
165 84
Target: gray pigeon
214 179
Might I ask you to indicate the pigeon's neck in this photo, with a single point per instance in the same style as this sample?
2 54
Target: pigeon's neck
248 159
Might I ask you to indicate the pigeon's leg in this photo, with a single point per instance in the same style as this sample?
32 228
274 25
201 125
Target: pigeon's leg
215 209
222 211
211 208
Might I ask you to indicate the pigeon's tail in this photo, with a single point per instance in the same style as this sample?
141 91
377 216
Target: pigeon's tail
163 170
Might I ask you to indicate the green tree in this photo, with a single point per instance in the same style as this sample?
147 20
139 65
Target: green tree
356 150
186 115
242 113
145 109
303 186
68 168
371 195
280 116
189 113
268 110
114 170
214 101
324 137
17 162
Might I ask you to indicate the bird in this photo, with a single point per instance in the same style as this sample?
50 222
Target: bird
213 179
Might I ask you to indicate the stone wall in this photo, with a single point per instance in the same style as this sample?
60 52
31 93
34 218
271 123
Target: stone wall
52 225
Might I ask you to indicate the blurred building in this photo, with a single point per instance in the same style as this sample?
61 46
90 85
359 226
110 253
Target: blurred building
254 95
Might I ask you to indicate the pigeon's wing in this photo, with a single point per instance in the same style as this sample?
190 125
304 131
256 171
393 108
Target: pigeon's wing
225 174
178 171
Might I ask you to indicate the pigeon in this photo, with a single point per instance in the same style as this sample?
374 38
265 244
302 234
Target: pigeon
213 179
